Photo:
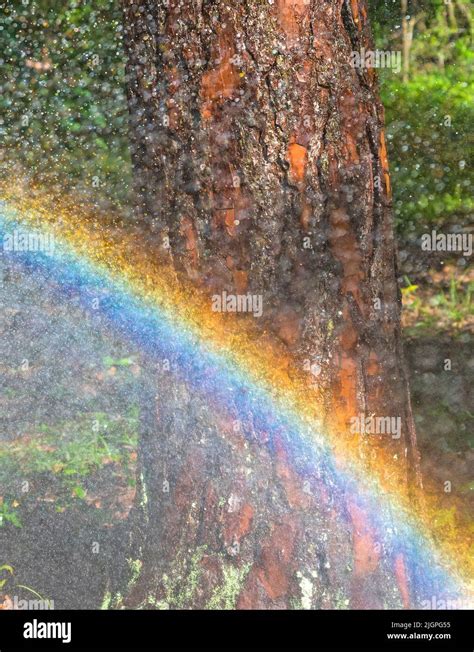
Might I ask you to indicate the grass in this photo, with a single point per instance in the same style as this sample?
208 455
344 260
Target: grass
442 303
8 513
70 453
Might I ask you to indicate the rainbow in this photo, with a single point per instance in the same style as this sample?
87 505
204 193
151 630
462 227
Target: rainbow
227 362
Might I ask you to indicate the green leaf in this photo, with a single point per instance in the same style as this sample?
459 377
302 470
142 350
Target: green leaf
8 568
79 492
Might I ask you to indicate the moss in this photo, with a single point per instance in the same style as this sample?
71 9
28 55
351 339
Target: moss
306 586
106 602
183 582
341 601
225 596
143 497
295 604
116 602
136 568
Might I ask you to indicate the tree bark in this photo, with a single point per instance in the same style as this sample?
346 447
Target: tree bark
261 167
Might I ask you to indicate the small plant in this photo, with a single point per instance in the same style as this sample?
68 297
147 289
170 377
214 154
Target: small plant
8 515
39 603
5 568
449 308
70 453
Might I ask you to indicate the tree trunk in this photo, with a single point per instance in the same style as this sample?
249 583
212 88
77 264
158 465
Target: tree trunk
261 167
408 27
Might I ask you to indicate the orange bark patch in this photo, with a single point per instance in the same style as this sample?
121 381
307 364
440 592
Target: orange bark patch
323 47
355 11
297 157
334 177
291 14
384 161
275 572
270 577
305 216
226 218
241 281
348 336
348 386
345 248
230 221
238 524
246 517
352 154
221 83
373 368
351 113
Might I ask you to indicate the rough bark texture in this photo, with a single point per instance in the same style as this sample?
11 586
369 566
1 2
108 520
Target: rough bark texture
260 158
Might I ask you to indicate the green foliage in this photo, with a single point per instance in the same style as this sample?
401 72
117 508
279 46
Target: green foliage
447 308
5 568
123 362
71 451
429 118
8 515
8 575
62 102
